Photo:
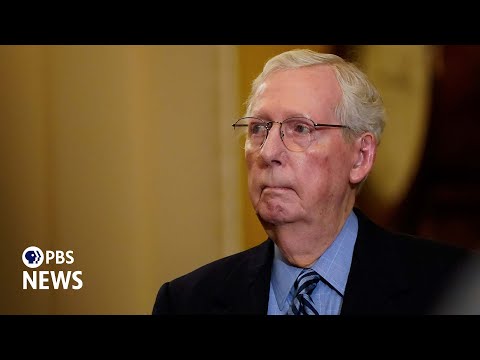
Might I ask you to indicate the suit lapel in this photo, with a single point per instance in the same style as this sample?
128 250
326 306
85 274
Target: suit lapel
372 287
248 284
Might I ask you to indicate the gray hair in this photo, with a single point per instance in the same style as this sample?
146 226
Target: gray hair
360 108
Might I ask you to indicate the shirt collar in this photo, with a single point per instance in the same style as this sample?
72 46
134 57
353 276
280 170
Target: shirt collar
333 265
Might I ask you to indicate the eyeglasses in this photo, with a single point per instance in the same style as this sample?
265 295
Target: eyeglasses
297 133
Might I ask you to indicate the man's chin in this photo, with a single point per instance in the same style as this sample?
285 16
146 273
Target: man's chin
269 218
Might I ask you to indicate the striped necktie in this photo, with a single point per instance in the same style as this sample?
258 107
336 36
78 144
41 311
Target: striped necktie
302 303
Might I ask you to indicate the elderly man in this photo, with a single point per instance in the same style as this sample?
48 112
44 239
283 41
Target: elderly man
310 135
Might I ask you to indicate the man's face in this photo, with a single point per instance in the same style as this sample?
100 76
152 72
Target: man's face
309 186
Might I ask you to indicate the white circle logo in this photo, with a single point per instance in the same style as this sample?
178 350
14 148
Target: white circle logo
32 257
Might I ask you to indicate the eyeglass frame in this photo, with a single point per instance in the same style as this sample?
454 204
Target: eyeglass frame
269 126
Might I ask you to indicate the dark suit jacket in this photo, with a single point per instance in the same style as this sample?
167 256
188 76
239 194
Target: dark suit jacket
390 274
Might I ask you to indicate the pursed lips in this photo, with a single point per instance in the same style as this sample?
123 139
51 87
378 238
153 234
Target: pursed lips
275 187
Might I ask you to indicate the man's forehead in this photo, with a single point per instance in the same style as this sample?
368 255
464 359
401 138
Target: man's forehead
297 92
320 77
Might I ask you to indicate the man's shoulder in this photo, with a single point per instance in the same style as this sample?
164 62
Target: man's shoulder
220 286
220 268
416 273
411 247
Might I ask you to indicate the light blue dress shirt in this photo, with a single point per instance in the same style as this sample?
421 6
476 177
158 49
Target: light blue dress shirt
333 266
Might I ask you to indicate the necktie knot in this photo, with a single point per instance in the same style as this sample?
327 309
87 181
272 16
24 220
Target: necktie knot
304 285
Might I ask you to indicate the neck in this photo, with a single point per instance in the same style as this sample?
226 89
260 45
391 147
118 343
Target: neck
303 243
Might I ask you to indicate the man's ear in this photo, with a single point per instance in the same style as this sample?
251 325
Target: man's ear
365 150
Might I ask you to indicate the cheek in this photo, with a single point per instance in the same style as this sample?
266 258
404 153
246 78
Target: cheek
250 162
316 172
251 172
248 159
323 171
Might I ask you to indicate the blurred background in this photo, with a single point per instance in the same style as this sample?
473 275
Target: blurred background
125 156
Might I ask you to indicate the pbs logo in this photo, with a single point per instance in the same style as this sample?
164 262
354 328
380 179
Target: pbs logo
33 257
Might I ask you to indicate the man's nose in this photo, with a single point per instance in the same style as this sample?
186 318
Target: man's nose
273 146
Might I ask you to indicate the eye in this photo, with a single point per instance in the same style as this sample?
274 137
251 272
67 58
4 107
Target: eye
299 127
257 128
